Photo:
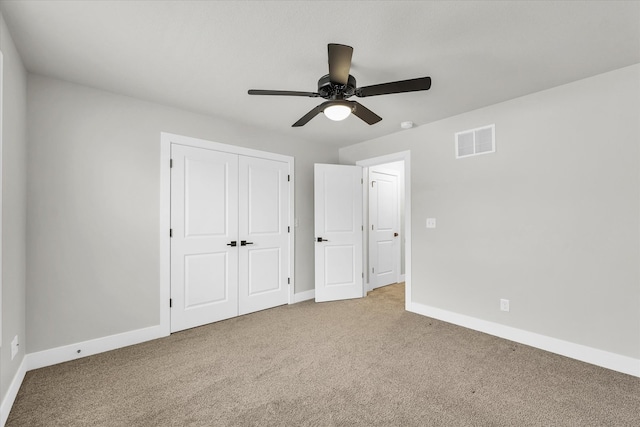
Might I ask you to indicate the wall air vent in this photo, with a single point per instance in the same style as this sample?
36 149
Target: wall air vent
476 141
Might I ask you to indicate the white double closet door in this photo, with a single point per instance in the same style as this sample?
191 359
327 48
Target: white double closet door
229 245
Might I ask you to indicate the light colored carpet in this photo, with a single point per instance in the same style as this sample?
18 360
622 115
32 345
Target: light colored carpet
362 362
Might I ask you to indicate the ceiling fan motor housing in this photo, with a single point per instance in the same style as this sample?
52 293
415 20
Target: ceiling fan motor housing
332 91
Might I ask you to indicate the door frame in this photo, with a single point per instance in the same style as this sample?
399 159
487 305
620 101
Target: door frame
1 187
166 139
404 156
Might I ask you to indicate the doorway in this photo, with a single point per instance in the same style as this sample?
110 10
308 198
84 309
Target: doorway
385 188
400 162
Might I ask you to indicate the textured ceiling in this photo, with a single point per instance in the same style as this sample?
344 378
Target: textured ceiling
203 56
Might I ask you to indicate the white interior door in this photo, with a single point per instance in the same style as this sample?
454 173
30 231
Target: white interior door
204 222
384 227
263 234
338 232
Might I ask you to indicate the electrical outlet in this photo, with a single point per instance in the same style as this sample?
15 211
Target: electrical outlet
14 347
431 223
504 305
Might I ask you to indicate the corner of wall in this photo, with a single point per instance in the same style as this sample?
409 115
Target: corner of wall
13 218
10 396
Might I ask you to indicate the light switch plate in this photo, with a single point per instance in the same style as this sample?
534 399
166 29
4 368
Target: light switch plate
431 223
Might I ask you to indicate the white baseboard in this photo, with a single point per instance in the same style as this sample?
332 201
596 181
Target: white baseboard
14 387
66 353
605 359
304 296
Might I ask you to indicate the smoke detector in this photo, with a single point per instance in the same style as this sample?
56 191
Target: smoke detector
406 125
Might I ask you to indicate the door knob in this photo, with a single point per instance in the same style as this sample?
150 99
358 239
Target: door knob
320 239
233 243
245 243
395 234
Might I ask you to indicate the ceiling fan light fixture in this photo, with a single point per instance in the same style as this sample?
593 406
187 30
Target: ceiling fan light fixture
337 112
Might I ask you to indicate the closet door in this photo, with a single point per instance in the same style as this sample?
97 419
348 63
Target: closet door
204 222
263 234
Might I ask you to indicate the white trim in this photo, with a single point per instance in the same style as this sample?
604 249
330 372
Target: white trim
389 158
165 242
1 192
401 278
304 296
166 139
368 287
605 359
66 353
292 231
217 146
12 392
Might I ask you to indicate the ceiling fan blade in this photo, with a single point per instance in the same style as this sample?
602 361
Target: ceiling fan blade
283 93
310 115
364 113
411 85
339 63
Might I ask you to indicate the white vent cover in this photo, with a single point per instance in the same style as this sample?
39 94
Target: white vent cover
476 141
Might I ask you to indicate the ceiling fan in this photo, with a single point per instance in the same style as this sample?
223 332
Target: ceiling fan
338 86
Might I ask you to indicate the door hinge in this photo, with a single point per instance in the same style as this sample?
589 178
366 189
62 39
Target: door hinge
170 302
362 227
373 270
171 232
170 163
288 229
361 180
363 274
288 177
289 280
372 226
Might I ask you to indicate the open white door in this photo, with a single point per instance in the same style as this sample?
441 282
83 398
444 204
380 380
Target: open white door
384 231
338 232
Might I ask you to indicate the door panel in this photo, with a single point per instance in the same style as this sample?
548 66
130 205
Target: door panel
338 222
264 221
342 260
384 249
204 187
385 257
264 274
387 211
339 207
204 215
201 273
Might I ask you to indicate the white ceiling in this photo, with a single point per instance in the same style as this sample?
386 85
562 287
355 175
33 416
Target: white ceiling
203 56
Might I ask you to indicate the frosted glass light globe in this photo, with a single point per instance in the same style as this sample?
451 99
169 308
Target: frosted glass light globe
337 112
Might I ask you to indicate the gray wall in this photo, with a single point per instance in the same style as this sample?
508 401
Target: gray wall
550 221
93 219
14 207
